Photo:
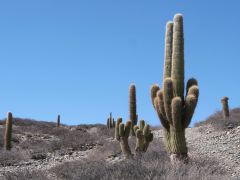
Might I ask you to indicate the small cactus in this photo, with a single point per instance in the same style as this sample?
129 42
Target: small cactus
58 121
175 110
8 132
143 136
132 107
225 108
122 132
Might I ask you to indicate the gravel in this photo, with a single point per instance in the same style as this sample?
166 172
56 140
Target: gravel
222 147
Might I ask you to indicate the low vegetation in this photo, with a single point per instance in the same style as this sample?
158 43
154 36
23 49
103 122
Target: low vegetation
220 123
105 162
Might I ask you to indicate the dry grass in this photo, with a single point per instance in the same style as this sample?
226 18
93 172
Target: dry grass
34 139
25 175
153 165
43 137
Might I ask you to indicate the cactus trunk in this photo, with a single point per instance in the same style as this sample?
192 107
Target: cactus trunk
121 134
225 108
125 147
132 107
8 132
58 121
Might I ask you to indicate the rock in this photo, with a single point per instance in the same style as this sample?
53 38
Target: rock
39 156
230 126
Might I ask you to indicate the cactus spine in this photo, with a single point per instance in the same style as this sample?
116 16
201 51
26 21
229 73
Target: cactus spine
225 108
110 122
121 134
174 110
8 132
58 121
132 107
143 136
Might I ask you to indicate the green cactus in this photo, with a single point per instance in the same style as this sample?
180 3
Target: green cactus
113 123
121 134
58 121
8 132
174 110
110 122
132 107
143 136
225 108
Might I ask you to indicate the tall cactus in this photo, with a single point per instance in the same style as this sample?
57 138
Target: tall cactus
110 122
121 134
132 107
143 136
58 121
175 110
225 108
8 132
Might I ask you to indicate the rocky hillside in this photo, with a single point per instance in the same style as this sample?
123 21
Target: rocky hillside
43 151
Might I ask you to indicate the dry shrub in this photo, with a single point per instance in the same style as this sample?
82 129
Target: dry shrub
24 175
9 158
219 123
152 166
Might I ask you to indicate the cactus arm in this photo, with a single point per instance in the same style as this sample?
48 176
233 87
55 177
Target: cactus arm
154 89
121 129
178 57
168 50
167 98
190 105
135 128
191 82
117 136
193 90
142 124
162 119
146 130
161 103
127 129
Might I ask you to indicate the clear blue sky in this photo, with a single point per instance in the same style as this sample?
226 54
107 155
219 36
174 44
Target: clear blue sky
77 58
